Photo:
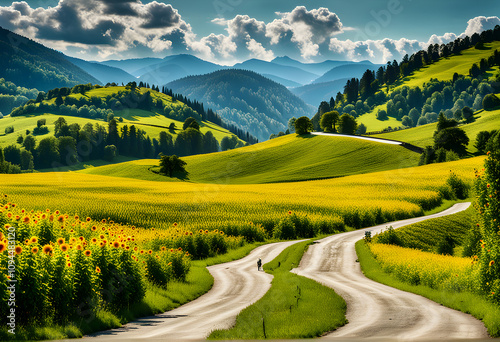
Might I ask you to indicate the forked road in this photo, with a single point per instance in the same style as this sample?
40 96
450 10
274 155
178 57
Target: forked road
379 311
237 284
373 309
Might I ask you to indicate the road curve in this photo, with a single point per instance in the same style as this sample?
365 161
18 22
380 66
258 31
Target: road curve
378 140
237 284
379 311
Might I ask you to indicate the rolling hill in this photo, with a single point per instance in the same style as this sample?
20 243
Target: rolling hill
444 69
81 124
246 99
423 135
32 65
438 91
284 159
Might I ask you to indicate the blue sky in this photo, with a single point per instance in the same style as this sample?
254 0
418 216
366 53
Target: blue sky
315 30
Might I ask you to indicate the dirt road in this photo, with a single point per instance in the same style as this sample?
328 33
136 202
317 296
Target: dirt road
237 284
378 311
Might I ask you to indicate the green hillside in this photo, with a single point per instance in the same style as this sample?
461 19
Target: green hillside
423 135
438 91
288 158
444 69
150 123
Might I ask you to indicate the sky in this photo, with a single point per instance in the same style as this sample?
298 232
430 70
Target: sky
230 31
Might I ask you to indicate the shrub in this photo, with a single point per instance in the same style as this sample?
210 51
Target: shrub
40 130
330 225
157 272
285 229
9 129
389 237
303 226
446 245
459 188
472 242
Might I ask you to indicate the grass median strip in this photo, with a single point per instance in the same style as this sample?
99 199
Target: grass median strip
294 307
467 302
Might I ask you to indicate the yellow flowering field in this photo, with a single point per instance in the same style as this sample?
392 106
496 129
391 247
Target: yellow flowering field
423 268
359 200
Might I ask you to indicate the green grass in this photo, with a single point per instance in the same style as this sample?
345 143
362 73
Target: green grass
427 235
375 125
444 69
473 304
294 307
289 158
157 300
423 135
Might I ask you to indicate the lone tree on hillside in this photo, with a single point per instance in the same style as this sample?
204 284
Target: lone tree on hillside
171 164
347 124
328 121
303 125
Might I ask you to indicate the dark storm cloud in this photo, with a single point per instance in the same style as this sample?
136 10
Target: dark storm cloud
70 27
120 7
159 15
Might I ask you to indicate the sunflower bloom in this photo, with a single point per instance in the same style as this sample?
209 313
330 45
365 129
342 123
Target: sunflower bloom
3 247
64 247
116 244
26 220
97 269
492 262
34 250
60 241
34 239
18 250
47 249
87 253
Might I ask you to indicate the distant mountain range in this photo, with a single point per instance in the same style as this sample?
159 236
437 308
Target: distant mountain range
254 103
252 94
105 74
328 77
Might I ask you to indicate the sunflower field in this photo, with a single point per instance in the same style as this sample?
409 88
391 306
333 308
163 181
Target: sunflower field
59 266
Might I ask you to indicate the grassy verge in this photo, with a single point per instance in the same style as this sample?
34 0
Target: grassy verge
294 307
157 300
446 204
470 303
